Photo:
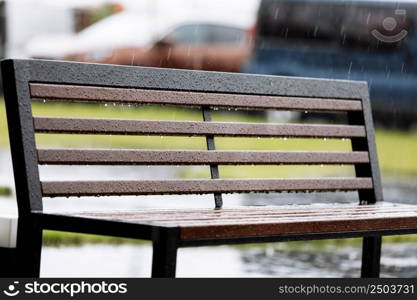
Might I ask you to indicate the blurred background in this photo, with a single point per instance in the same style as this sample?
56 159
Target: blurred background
370 40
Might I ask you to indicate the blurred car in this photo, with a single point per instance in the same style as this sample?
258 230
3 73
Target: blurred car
374 41
198 41
121 29
191 45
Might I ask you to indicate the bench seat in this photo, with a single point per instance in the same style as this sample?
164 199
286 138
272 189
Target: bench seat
269 220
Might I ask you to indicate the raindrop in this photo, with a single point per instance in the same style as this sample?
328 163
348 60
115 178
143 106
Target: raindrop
350 70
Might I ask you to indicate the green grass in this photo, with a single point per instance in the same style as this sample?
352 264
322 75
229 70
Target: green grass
58 238
5 191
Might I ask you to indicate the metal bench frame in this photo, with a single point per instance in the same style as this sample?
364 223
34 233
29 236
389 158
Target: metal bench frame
19 74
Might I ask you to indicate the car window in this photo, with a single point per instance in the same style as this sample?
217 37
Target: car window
206 34
190 34
226 35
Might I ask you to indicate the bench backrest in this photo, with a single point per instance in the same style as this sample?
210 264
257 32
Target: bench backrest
28 79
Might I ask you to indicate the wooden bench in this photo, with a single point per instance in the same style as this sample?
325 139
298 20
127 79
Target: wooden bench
25 80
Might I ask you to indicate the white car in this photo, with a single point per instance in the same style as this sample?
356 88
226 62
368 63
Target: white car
130 29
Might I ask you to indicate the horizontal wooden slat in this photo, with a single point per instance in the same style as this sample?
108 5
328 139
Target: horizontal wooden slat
197 186
320 225
245 211
126 95
191 157
191 128
251 213
271 220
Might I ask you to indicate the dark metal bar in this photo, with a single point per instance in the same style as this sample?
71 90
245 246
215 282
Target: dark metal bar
195 186
71 73
22 138
85 224
371 256
91 93
28 247
8 262
371 250
196 157
164 257
190 128
214 168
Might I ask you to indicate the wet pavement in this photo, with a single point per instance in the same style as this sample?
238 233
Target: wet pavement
274 260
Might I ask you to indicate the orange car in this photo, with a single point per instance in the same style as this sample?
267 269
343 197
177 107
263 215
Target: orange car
197 46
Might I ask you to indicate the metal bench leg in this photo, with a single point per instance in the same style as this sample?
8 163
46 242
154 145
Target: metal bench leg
28 253
24 260
7 262
164 258
371 257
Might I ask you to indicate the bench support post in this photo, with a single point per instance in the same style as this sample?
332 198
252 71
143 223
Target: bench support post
164 258
371 257
25 259
7 262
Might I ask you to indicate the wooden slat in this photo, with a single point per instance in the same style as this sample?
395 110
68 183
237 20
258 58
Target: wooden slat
126 95
324 225
271 220
191 157
191 128
197 186
278 214
245 211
